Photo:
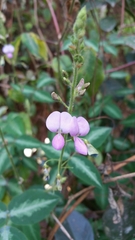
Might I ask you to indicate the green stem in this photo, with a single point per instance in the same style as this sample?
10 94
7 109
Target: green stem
70 109
10 157
74 83
61 156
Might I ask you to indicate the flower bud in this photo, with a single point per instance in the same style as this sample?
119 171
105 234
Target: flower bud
55 96
47 187
65 74
59 185
79 25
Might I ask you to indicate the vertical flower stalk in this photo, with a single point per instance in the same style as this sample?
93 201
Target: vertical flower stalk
60 124
76 51
78 47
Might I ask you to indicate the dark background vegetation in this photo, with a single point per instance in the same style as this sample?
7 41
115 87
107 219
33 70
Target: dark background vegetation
41 42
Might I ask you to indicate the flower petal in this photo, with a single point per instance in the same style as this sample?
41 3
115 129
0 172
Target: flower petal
83 125
58 142
53 121
65 122
8 48
80 146
9 55
74 129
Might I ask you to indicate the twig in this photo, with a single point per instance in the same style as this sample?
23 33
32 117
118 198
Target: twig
73 197
71 7
62 218
122 12
62 227
54 19
129 175
122 164
120 67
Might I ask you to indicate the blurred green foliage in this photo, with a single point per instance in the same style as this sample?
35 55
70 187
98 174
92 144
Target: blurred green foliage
26 83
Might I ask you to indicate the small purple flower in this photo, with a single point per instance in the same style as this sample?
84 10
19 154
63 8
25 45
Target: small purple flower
79 127
59 123
8 50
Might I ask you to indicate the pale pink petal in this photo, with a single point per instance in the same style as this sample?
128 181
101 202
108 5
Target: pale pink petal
65 122
74 130
8 48
58 142
53 121
80 146
83 125
9 55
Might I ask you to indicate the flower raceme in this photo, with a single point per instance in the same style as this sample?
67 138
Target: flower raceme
64 123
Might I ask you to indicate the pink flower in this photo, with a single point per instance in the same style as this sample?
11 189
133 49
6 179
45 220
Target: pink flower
59 123
79 127
8 49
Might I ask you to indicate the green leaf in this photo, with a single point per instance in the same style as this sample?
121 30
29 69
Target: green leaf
11 233
42 96
26 141
85 170
125 91
35 45
119 74
97 4
32 231
92 71
44 79
3 183
37 95
108 24
101 196
65 64
13 187
121 143
16 45
27 122
110 49
4 159
127 41
30 163
96 109
98 135
112 110
15 127
16 95
31 206
3 213
129 121
50 152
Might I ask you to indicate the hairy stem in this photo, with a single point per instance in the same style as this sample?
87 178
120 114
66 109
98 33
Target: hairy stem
72 96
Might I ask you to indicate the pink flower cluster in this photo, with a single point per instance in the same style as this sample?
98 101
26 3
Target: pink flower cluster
64 123
8 50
